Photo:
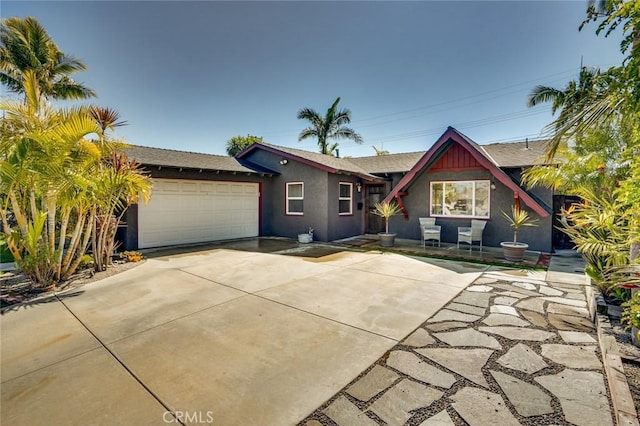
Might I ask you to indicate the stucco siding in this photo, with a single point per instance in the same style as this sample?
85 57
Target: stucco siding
315 204
497 228
343 226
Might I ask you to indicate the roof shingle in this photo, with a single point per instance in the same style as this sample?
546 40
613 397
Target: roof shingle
390 163
191 160
516 154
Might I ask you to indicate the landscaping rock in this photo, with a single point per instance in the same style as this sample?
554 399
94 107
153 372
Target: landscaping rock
527 399
395 405
419 338
449 315
440 419
585 402
375 381
572 356
466 362
517 333
468 338
344 413
522 358
413 366
503 319
481 408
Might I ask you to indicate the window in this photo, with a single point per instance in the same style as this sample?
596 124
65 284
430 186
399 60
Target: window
345 198
460 198
295 198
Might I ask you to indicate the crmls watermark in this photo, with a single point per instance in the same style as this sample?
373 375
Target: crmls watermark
204 417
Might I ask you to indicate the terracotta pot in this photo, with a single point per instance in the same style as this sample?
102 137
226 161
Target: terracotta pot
387 239
514 252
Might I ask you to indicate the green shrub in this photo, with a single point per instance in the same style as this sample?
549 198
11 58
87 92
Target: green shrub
631 313
5 254
131 256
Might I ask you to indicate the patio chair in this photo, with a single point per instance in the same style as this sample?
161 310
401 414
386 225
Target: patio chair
470 234
429 230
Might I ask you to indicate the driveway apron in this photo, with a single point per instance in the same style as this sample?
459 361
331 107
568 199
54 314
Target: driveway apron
223 337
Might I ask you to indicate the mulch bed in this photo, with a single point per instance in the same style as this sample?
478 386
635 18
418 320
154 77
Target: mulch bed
16 288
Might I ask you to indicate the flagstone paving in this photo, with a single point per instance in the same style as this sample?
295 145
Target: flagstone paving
510 349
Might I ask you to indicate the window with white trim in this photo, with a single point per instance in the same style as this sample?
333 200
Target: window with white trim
295 198
465 198
345 198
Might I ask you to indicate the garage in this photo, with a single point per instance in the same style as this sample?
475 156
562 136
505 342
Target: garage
193 211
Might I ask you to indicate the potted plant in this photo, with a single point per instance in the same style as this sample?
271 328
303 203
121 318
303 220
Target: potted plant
386 210
514 251
306 238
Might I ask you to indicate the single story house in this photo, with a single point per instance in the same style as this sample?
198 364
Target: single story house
269 190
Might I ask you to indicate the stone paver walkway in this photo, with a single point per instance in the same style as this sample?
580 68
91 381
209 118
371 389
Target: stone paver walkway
513 348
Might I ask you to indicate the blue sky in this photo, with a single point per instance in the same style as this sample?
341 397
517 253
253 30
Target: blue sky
190 75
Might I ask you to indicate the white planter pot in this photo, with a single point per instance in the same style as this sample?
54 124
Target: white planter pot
305 238
514 252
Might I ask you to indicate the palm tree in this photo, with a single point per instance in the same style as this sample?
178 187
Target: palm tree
59 186
331 126
580 104
45 167
25 45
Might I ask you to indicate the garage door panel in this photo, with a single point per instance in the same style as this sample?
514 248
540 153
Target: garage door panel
182 212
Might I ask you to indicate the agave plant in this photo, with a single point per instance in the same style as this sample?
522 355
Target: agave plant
517 219
386 210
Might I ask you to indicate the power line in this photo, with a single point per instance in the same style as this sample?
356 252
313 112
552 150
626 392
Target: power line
464 125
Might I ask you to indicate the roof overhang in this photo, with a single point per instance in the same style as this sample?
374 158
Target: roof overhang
257 146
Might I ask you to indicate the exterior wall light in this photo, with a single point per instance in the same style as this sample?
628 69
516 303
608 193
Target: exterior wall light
493 185
358 187
283 161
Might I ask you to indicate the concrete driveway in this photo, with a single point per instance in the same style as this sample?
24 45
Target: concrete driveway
222 337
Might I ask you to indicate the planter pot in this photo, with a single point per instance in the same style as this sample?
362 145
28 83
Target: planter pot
305 238
387 239
514 252
634 336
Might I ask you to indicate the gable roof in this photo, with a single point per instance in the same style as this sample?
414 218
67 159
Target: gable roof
325 162
452 136
188 160
389 163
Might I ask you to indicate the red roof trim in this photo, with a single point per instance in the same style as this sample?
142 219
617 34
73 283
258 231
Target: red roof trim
302 160
287 155
452 134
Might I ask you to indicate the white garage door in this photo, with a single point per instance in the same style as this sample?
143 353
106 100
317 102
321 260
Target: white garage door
191 211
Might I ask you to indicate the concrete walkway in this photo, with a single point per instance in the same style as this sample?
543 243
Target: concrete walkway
219 337
513 348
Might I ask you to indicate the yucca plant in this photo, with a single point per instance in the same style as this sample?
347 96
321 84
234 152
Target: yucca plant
517 219
386 210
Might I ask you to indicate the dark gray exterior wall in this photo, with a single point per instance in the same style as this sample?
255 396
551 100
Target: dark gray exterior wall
497 228
343 226
321 191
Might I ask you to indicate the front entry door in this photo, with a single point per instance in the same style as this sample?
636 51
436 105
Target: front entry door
375 194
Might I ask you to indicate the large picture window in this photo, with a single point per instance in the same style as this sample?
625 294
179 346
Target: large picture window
295 198
468 198
345 198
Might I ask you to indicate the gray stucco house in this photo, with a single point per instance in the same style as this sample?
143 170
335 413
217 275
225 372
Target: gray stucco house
268 190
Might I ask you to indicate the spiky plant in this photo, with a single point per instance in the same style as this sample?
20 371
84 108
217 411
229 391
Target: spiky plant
386 210
517 219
